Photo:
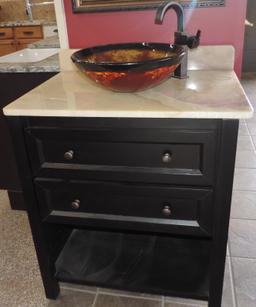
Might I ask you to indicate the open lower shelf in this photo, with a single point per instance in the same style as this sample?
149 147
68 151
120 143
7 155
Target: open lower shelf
136 262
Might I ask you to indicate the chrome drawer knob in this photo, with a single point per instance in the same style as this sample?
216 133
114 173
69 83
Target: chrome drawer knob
166 210
75 204
69 155
167 157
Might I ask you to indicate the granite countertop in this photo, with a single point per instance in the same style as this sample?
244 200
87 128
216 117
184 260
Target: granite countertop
205 94
20 23
48 42
50 64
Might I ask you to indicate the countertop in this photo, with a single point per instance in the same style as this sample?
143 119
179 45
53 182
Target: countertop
205 94
21 23
50 64
48 42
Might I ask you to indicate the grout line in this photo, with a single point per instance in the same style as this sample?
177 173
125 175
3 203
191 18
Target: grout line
237 167
77 289
95 298
191 304
233 283
243 190
131 296
242 257
247 258
241 218
246 128
233 291
253 145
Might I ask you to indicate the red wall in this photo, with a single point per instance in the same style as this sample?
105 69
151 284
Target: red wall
219 26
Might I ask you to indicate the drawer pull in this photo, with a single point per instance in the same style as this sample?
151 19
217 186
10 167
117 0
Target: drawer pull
166 210
75 204
167 157
2 33
69 155
28 32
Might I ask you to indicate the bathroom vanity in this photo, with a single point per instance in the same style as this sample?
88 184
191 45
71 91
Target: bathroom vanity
131 191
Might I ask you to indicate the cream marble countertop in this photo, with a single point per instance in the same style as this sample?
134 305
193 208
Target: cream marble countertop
205 94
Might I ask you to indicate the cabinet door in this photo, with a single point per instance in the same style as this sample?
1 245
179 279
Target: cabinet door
7 46
23 43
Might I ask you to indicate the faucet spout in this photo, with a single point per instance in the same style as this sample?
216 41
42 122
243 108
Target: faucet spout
180 37
164 7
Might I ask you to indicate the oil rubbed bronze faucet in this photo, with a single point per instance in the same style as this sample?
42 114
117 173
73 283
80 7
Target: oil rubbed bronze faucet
180 37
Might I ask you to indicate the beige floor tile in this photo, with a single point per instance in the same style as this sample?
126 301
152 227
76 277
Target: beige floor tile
121 301
245 179
171 304
242 238
245 159
128 293
243 129
243 205
228 299
68 286
245 143
252 128
176 301
253 119
68 298
245 281
254 140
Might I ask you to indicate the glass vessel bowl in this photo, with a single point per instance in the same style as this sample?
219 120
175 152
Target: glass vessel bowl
129 67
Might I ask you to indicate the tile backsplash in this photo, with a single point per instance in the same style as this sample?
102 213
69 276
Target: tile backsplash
12 10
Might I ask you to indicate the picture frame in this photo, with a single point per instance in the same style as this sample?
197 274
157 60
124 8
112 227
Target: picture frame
82 6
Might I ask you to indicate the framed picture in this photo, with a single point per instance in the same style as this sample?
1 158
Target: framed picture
80 6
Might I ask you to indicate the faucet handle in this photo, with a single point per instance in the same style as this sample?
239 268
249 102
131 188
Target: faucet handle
194 40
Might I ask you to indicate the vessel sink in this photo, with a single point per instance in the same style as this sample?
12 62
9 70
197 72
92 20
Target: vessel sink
28 55
129 67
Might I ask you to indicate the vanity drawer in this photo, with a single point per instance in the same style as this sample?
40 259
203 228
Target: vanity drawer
128 206
28 32
152 155
6 33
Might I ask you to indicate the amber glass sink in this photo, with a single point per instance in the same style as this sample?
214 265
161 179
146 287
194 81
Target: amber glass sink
129 67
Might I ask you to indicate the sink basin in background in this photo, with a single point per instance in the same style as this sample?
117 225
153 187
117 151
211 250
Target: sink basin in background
28 55
129 67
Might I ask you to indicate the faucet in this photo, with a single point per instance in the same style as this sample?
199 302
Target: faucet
29 5
180 37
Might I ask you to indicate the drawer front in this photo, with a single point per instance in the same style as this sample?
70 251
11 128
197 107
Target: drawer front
28 32
6 33
7 46
23 43
142 207
151 155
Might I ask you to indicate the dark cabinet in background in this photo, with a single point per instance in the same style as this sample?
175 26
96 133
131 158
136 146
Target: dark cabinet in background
12 86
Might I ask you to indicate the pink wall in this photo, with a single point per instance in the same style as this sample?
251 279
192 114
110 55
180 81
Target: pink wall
218 25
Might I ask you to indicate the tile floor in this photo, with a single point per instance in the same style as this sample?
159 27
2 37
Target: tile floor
20 282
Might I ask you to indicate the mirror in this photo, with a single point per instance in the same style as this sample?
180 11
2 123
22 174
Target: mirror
119 5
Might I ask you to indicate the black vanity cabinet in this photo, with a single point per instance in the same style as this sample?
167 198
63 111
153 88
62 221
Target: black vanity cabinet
12 86
129 203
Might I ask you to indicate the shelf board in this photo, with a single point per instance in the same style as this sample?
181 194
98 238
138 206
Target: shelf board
136 262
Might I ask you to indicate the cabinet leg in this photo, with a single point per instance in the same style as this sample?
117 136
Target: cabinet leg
16 200
52 290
